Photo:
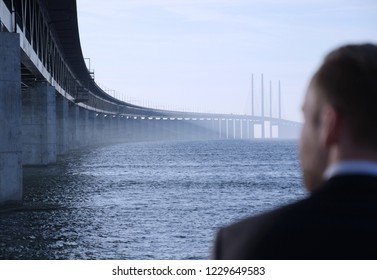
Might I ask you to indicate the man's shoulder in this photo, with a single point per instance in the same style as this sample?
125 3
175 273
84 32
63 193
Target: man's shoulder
344 208
246 238
332 197
260 223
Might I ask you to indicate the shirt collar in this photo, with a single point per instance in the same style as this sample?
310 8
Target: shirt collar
351 167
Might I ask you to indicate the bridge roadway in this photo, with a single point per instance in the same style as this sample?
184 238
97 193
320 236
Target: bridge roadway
50 103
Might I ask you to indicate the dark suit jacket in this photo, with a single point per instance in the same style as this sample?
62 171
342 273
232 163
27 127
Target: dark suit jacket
338 221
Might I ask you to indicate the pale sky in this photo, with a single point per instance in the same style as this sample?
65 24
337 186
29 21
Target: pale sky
198 55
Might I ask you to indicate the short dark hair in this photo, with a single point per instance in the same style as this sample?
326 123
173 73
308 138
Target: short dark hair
347 80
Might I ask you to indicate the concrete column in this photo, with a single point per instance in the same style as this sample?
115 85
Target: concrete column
91 128
251 130
86 128
120 128
130 128
168 123
278 129
156 130
136 129
208 128
171 129
274 130
113 128
192 130
247 129
177 128
100 126
237 129
142 128
184 129
158 135
234 129
106 130
39 145
174 124
162 129
81 130
199 129
219 128
150 129
263 129
216 128
222 128
244 130
73 119
83 122
227 128
10 120
271 128
62 125
125 129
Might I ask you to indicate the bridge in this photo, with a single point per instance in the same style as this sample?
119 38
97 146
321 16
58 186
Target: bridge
50 102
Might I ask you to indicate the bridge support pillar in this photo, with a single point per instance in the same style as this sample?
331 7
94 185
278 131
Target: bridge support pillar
125 128
227 128
10 120
91 128
215 128
109 127
62 124
122 138
244 134
277 130
209 128
251 129
83 122
236 129
274 130
39 125
113 126
116 126
131 129
271 126
148 129
100 128
263 126
73 118
106 131
223 128
232 129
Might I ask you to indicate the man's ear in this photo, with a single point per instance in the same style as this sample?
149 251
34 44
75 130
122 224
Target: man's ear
330 128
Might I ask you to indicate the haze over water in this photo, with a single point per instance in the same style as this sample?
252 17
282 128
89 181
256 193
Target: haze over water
161 200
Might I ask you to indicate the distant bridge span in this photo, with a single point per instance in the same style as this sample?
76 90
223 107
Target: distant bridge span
50 103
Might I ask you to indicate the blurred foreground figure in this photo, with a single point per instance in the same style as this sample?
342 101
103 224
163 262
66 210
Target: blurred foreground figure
338 154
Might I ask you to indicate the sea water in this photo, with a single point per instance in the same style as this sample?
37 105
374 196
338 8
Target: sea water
157 200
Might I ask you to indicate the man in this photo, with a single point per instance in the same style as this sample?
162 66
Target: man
338 154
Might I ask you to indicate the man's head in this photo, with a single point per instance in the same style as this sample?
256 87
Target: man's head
340 111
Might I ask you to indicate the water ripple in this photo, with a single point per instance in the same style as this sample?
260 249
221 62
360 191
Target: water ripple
147 200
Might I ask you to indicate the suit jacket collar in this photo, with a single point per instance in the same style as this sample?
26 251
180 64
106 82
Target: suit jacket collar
351 167
348 184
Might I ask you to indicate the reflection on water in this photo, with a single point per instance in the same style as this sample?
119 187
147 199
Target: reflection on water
146 200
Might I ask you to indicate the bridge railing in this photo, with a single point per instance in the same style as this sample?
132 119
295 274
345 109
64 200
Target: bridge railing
46 55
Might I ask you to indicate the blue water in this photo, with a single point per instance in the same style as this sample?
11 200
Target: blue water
162 200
